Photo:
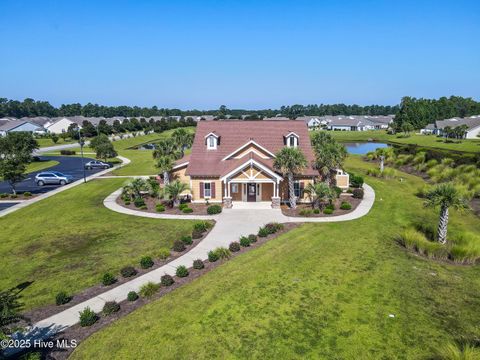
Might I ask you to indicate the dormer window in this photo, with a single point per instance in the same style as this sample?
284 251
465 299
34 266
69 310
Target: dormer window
212 141
291 140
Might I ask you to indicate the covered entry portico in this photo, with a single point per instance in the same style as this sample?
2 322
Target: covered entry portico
251 182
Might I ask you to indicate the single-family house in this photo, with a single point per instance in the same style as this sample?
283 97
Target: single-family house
60 125
20 125
471 123
232 161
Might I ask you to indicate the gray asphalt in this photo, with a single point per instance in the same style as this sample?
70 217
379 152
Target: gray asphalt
68 165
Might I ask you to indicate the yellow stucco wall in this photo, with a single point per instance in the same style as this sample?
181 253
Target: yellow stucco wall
284 188
195 189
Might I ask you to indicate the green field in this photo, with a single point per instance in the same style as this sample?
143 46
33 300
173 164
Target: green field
67 242
320 291
430 141
41 165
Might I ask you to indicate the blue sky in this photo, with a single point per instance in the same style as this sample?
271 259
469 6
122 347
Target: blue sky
244 54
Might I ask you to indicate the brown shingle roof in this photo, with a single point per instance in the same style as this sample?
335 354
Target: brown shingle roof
234 134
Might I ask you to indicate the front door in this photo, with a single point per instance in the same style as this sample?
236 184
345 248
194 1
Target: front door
251 192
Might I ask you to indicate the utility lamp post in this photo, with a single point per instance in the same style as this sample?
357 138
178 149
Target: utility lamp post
82 143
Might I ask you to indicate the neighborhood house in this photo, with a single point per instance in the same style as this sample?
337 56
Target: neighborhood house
233 161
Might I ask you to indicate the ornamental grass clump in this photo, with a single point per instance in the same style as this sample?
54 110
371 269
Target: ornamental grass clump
149 289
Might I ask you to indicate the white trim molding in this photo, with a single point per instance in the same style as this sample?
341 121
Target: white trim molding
251 142
252 162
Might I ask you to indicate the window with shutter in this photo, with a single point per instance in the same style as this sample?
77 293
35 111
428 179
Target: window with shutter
201 190
212 189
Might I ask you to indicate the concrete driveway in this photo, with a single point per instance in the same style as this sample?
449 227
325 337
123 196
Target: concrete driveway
69 165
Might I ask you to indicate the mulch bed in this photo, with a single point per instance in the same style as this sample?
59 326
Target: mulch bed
198 209
19 196
79 333
45 311
287 211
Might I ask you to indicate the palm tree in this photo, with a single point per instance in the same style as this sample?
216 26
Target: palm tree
290 161
173 191
134 188
165 165
445 195
183 139
167 147
382 154
329 155
317 193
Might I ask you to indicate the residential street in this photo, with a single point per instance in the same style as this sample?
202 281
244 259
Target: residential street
67 165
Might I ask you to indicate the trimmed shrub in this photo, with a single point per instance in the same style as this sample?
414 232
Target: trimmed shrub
166 280
244 242
67 152
252 238
330 206
328 211
222 253
110 307
149 289
234 246
356 180
187 240
87 317
160 208
263 232
198 264
108 279
27 194
316 211
337 190
358 193
62 298
3 195
345 206
139 202
132 296
212 256
182 206
13 196
143 207
128 271
273 227
127 202
146 262
178 246
163 253
181 271
214 209
187 210
201 226
306 212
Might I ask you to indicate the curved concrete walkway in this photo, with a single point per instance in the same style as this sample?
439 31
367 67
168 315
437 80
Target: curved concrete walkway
231 224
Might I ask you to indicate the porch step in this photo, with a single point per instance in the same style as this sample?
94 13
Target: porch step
243 205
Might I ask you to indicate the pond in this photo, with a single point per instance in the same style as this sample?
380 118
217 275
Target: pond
361 148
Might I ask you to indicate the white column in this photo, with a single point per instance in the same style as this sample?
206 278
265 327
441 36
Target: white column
225 184
274 189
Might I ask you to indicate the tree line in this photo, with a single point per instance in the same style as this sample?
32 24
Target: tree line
420 112
30 107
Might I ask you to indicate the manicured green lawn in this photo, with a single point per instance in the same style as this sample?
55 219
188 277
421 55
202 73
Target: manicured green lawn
67 242
320 291
470 145
44 142
41 165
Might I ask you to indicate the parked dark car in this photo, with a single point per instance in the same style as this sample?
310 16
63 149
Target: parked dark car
52 178
95 164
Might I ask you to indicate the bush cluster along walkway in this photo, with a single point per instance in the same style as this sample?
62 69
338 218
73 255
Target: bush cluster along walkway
231 224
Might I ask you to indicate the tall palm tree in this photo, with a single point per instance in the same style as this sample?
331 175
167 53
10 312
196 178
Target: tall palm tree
165 165
290 161
445 195
183 139
173 191
329 155
318 192
167 147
